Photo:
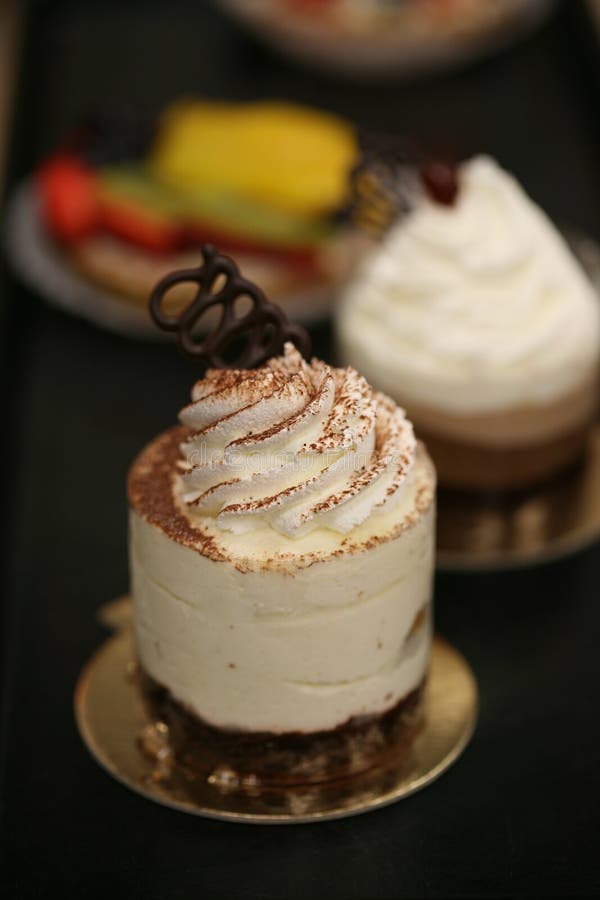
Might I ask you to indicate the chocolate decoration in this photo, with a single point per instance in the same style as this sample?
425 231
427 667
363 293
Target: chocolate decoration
379 183
385 179
265 327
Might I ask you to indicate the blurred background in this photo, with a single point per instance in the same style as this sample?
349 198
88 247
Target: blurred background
522 86
10 33
147 54
506 78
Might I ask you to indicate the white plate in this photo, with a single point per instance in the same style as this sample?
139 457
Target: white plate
371 55
41 265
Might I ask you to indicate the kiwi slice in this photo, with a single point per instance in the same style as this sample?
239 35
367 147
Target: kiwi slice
221 209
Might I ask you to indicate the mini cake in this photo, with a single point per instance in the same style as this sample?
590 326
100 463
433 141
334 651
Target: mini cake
281 547
475 315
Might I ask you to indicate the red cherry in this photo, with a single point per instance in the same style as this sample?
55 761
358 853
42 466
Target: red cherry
440 180
67 190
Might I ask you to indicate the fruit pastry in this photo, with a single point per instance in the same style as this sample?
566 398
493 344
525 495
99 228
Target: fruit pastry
265 180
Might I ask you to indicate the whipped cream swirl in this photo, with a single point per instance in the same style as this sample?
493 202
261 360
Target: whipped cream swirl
474 307
293 445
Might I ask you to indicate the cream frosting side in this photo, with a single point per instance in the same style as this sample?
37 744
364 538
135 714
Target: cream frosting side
304 649
282 555
293 446
473 308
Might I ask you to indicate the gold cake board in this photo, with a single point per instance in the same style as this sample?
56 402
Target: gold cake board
526 528
111 717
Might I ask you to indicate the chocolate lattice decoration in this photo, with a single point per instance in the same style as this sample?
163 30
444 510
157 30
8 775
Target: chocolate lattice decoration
262 331
380 192
383 181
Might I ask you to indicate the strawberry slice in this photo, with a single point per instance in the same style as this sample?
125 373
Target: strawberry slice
68 194
139 226
299 257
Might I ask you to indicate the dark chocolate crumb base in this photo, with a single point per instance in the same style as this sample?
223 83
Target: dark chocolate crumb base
229 757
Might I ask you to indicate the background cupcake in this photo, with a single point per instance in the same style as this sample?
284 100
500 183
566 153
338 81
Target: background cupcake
477 317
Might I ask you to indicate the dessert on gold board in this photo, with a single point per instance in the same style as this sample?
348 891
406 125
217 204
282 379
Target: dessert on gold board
281 556
476 316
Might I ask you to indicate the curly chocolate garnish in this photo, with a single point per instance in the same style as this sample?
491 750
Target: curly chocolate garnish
263 330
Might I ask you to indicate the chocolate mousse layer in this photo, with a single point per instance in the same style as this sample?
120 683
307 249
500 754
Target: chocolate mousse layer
201 751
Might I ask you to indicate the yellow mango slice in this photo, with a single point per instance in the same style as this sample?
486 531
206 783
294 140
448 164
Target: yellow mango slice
286 156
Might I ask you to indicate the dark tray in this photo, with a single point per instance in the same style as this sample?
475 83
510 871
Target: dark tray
519 814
